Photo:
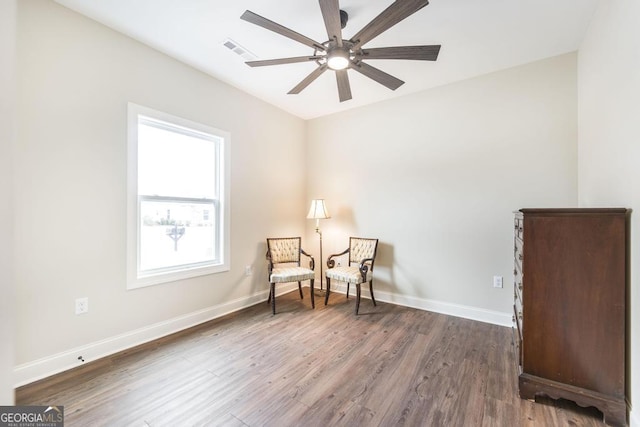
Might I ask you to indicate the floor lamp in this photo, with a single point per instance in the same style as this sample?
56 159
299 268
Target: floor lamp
318 211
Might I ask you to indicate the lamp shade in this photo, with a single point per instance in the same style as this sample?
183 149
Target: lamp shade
318 210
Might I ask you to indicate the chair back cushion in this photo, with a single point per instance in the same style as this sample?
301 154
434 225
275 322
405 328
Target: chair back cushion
284 250
360 249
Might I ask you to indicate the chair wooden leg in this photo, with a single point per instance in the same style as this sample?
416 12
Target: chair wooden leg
347 290
269 299
357 297
300 290
313 299
273 298
371 292
326 295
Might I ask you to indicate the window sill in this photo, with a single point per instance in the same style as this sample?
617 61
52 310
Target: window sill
174 276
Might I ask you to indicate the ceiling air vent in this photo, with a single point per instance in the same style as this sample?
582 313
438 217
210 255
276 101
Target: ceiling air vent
239 50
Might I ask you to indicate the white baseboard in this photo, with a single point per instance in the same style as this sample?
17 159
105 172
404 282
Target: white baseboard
634 419
457 310
38 369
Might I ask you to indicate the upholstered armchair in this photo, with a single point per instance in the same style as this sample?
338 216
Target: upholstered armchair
283 256
359 268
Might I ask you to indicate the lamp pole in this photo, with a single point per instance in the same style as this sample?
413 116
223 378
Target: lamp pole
320 234
318 211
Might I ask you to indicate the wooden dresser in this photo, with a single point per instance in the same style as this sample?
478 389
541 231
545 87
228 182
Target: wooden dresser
570 279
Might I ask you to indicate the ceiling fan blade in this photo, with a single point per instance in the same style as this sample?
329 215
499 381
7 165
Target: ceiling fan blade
399 10
378 75
420 53
331 15
284 31
279 61
307 80
344 88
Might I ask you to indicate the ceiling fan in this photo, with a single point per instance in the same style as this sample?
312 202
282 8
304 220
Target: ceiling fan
339 54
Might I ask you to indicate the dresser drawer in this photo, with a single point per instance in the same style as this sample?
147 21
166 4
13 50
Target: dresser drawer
517 280
518 226
517 344
518 253
517 317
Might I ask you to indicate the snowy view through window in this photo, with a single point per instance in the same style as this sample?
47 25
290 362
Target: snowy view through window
178 196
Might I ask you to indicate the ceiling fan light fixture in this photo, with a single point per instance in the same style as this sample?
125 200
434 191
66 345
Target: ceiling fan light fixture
338 59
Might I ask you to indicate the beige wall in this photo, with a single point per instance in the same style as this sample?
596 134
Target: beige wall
75 79
436 175
609 142
7 136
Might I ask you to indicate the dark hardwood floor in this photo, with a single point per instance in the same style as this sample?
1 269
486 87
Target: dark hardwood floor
389 366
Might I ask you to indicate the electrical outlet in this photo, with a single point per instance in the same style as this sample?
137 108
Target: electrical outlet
248 270
82 305
497 281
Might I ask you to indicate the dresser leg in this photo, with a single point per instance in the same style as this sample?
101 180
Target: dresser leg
614 409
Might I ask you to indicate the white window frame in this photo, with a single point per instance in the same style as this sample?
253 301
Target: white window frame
136 278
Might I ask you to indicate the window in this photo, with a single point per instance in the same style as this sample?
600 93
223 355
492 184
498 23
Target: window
178 209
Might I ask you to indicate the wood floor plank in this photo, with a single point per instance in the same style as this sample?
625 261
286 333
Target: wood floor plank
389 366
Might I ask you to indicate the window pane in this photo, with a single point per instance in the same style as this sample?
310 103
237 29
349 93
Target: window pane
176 233
175 164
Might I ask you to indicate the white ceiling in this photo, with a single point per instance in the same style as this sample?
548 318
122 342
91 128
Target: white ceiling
477 37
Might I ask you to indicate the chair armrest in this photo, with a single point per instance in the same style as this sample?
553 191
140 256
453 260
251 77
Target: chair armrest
312 262
331 262
364 267
267 255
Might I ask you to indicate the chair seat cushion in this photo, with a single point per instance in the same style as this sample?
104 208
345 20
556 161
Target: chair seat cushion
291 274
350 274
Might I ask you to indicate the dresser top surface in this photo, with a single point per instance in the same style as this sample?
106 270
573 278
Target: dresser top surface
573 211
